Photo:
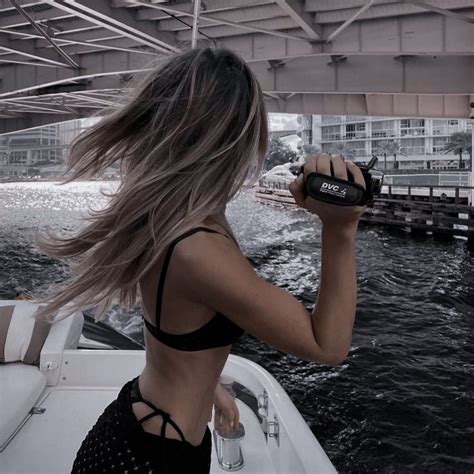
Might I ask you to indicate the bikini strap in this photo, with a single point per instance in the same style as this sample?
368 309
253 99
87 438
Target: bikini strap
164 269
136 396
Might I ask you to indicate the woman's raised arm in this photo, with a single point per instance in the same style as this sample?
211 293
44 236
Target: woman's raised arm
218 275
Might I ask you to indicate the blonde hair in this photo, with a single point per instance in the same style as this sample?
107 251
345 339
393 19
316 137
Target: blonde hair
191 134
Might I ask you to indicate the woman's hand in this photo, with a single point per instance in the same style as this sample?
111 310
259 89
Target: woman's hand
226 413
331 215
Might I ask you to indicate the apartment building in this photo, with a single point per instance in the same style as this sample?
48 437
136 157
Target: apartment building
421 140
38 150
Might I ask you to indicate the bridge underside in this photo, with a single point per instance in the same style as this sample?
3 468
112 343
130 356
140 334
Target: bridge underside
66 59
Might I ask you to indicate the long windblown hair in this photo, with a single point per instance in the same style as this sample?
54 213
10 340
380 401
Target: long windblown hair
192 132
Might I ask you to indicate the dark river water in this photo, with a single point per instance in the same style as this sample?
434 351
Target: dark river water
401 402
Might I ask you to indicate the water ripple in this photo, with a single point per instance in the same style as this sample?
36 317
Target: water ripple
402 401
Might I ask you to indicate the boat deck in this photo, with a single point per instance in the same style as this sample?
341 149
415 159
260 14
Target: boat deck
48 442
80 383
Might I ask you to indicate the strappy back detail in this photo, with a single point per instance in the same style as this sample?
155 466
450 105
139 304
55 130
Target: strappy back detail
217 332
136 396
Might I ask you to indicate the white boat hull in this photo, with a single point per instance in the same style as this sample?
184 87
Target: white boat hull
80 383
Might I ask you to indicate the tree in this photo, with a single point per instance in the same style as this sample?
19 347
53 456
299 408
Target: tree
397 149
384 148
457 143
279 153
343 149
307 149
390 147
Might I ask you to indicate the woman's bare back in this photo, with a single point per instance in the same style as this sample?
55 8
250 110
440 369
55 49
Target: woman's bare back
179 382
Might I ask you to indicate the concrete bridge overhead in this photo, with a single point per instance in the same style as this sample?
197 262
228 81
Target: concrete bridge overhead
66 59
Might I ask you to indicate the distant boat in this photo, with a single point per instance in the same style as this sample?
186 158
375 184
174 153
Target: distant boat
48 410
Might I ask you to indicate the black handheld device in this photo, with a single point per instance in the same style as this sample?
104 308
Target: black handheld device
345 193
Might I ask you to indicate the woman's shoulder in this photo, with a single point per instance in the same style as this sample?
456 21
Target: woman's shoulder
211 224
204 241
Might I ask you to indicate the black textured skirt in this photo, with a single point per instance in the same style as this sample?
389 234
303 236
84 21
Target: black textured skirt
117 443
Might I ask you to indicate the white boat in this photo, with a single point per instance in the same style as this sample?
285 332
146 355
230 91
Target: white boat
46 411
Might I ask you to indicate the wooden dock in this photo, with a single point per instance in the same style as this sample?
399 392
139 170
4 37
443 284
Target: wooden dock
442 211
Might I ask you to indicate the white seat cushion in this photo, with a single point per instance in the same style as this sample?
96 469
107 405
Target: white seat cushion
22 335
20 387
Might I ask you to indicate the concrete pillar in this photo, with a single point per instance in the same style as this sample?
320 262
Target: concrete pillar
368 141
317 130
429 140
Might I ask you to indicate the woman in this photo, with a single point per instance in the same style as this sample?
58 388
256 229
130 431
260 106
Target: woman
189 137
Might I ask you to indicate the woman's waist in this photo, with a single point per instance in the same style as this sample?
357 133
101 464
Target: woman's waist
175 378
188 404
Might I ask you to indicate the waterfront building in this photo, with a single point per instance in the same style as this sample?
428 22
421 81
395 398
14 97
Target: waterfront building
38 151
421 140
42 151
295 130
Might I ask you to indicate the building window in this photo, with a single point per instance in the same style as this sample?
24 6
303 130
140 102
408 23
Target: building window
18 157
383 129
414 146
331 133
438 144
359 148
350 131
355 131
445 127
330 119
412 127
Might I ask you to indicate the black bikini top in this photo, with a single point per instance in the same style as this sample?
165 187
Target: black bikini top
217 332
